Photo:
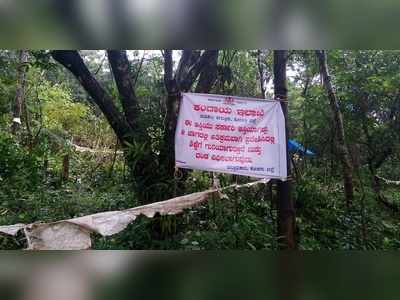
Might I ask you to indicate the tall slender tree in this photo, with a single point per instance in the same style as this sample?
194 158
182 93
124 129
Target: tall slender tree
286 208
20 90
261 73
340 140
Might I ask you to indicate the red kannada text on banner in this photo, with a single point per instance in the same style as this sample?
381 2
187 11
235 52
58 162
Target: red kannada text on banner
237 135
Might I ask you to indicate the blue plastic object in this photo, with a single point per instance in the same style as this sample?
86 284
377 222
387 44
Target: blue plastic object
294 146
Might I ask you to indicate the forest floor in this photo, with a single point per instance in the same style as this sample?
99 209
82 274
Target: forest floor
245 219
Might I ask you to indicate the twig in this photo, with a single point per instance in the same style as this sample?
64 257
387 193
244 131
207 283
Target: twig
101 65
138 71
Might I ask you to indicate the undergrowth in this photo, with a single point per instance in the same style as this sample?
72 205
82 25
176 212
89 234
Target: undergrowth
242 219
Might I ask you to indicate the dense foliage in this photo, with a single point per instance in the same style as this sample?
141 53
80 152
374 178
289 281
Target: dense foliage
60 123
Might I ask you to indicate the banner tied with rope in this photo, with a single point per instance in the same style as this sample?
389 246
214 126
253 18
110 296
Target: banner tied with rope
236 135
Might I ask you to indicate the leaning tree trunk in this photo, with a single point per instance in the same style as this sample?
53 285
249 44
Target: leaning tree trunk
125 124
338 123
193 64
72 61
286 209
20 91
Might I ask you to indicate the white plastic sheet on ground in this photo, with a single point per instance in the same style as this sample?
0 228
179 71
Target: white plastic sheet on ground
11 229
74 234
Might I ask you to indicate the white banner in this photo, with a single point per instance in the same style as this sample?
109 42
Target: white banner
235 135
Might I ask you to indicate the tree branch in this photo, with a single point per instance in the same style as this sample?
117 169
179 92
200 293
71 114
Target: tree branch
188 58
339 127
72 61
194 70
120 68
138 71
208 75
168 71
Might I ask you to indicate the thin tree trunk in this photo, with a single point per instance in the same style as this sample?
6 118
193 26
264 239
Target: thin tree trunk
171 110
286 209
305 129
65 168
169 135
338 123
20 91
261 73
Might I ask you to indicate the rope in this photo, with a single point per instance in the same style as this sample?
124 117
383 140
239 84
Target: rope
281 98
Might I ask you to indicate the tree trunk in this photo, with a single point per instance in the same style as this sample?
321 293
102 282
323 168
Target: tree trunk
286 209
261 73
173 100
120 67
339 128
167 156
74 63
65 168
208 75
191 66
20 91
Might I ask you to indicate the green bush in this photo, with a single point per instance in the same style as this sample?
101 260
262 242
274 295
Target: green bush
17 164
